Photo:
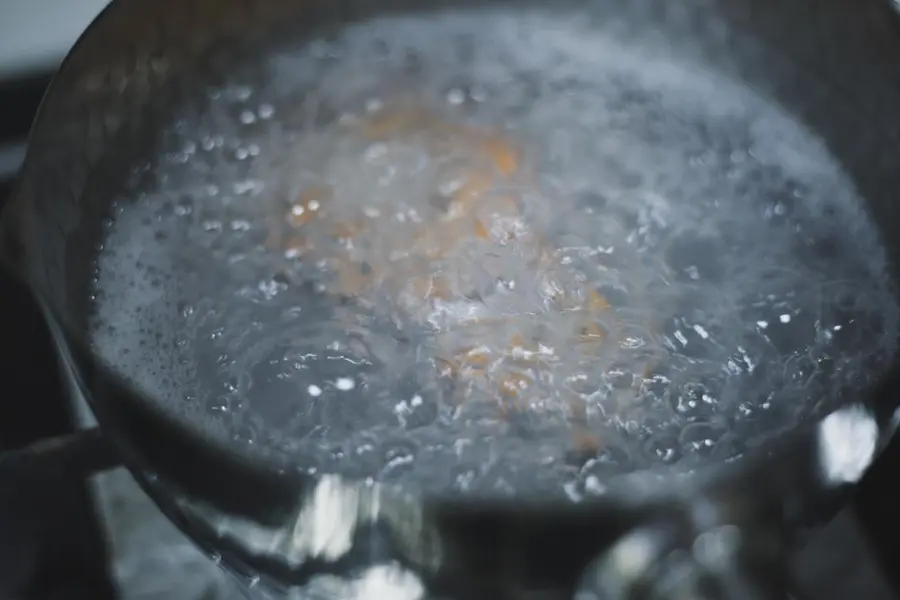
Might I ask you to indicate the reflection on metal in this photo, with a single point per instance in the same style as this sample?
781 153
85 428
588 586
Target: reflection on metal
676 536
333 524
389 582
895 418
713 549
848 439
678 559
627 564
325 525
633 555
322 529
11 157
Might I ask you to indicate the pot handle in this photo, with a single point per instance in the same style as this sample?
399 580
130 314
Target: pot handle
12 249
80 454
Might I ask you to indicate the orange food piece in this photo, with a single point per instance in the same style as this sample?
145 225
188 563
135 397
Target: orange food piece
474 186
596 302
577 408
394 122
430 286
504 157
476 358
430 244
297 246
592 332
274 238
518 347
306 207
350 278
447 367
481 231
511 384
436 241
586 443
346 230
505 205
440 288
420 286
299 216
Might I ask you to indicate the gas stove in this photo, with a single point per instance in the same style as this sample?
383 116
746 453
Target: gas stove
104 539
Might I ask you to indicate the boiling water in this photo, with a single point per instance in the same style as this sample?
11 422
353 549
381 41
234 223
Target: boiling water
525 263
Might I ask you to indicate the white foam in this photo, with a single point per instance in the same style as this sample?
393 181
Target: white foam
138 307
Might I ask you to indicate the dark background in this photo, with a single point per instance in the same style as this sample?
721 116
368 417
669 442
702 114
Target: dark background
50 541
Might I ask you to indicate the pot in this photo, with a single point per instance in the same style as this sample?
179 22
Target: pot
745 154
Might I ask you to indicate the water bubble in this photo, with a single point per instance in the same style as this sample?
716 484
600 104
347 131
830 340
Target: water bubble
695 401
246 433
397 457
375 151
664 446
463 477
265 111
701 438
456 96
186 310
344 384
184 206
269 288
218 405
373 105
247 186
612 459
593 487
573 491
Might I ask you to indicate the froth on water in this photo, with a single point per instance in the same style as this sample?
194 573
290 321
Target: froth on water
525 263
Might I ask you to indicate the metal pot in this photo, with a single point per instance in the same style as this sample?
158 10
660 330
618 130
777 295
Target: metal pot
712 532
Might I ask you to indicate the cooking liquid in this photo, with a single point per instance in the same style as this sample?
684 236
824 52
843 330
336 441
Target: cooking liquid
519 264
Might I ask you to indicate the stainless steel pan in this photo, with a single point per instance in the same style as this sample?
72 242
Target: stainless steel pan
749 149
